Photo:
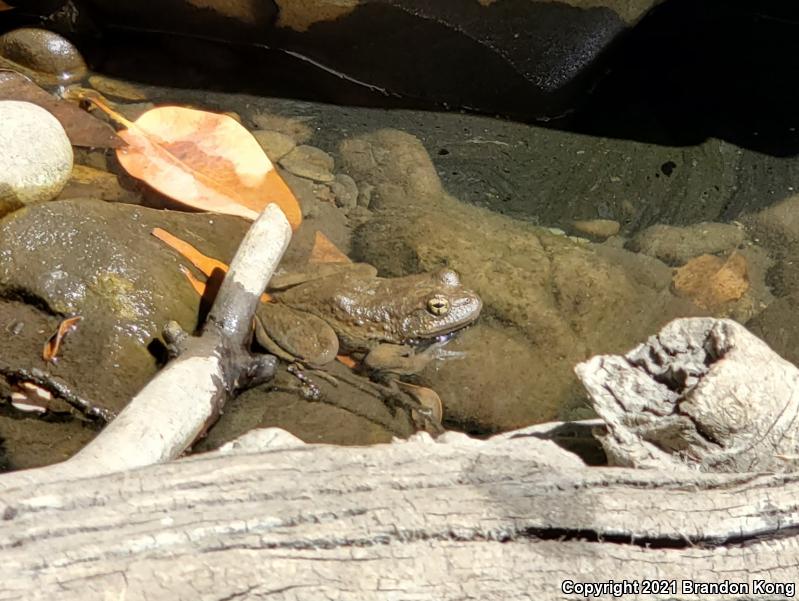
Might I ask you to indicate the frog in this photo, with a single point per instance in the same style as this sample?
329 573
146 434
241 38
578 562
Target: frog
396 325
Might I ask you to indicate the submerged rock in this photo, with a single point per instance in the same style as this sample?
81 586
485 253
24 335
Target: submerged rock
35 153
676 245
309 162
276 145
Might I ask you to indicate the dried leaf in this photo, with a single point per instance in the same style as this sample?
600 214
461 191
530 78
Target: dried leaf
347 361
324 251
82 128
204 263
27 396
204 160
52 346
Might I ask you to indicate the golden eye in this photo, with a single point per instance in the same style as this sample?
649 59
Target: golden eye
438 305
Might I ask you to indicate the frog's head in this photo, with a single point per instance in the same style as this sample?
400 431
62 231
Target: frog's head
439 306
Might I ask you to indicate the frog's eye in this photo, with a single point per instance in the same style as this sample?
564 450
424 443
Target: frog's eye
438 305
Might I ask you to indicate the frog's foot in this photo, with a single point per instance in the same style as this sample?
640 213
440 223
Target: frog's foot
309 390
428 398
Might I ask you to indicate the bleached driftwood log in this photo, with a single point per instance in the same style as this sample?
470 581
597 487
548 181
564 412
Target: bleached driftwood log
705 394
168 414
509 518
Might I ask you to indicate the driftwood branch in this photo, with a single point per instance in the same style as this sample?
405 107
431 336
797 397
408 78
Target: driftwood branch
187 395
702 394
509 518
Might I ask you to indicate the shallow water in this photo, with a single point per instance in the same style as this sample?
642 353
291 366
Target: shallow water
508 218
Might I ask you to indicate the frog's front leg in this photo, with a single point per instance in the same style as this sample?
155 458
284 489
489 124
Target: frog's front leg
399 359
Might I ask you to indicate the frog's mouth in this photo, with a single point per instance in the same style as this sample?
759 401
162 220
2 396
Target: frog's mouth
422 344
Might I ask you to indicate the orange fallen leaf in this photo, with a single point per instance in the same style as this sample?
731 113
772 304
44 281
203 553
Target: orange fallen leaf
347 361
53 345
324 251
204 263
204 160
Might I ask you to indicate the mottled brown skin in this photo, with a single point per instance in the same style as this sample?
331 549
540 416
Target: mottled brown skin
353 311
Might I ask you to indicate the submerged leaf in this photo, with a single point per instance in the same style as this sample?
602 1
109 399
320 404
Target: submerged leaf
324 251
204 160
53 345
82 128
207 265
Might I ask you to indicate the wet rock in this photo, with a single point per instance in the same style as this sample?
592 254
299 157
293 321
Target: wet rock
276 145
99 260
554 301
600 229
44 56
533 57
675 245
35 153
309 162
346 191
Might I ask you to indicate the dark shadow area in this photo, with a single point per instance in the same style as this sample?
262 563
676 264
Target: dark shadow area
688 71
692 70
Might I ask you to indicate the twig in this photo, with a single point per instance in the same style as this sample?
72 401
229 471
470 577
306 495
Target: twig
59 388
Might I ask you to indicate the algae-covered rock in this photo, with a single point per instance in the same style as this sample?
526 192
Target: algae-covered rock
99 260
550 301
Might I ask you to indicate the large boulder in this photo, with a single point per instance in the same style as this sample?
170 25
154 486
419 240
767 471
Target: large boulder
530 57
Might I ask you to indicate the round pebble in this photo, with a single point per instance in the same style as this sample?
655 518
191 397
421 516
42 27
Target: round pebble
309 162
598 228
346 191
35 153
276 145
